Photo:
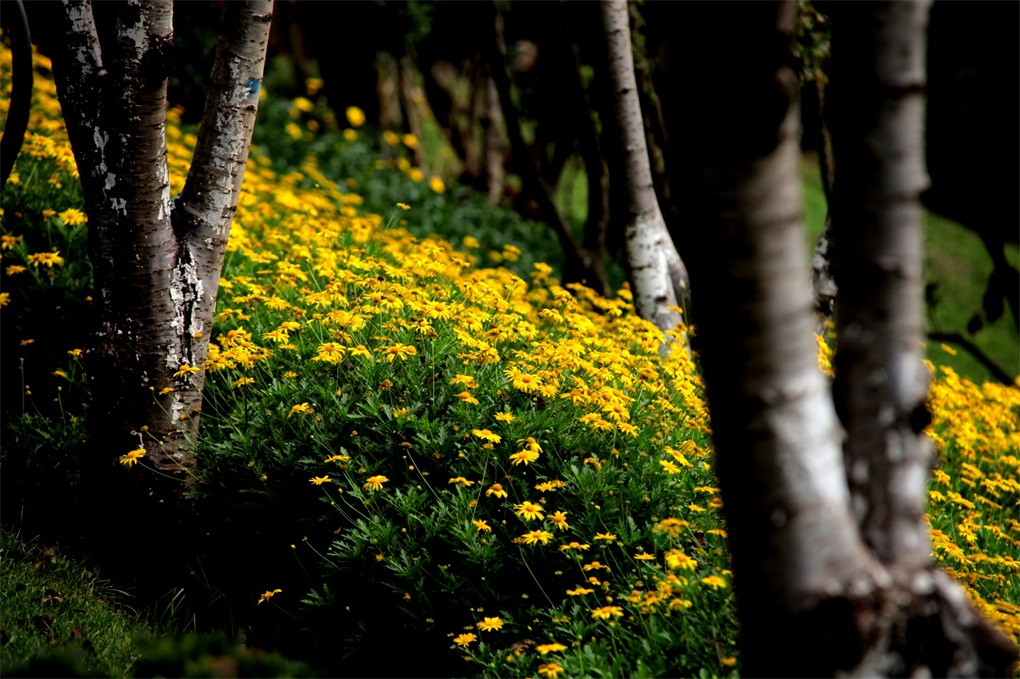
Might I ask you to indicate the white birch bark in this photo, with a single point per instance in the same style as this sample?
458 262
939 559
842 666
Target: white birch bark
653 260
155 276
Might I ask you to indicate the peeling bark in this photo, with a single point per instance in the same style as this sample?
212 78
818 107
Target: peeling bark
156 265
647 241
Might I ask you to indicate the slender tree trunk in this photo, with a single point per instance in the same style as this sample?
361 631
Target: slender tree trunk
494 146
412 116
204 211
156 264
817 595
646 238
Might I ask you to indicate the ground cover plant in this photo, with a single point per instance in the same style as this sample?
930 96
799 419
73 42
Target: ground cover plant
413 464
57 617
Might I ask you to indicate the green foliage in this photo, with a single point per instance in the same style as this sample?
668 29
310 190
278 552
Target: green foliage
59 619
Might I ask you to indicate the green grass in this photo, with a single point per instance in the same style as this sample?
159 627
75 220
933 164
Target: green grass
57 618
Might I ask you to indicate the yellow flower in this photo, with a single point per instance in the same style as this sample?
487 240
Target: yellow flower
529 510
391 137
241 381
330 352
594 566
350 134
677 560
8 242
496 489
523 457
669 467
549 648
338 458
550 670
374 483
714 581
15 269
47 259
410 141
607 612
728 662
490 624
268 594
468 397
437 185
464 639
401 351
301 408
644 556
319 480
404 206
132 457
575 545
467 380
482 526
579 591
537 536
505 417
361 350
559 519
605 536
72 217
672 526
550 486
487 435
355 116
461 481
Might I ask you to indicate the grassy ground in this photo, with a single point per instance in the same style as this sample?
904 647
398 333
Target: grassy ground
59 619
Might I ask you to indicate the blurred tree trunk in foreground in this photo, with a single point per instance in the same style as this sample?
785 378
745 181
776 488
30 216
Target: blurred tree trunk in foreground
646 238
821 589
156 261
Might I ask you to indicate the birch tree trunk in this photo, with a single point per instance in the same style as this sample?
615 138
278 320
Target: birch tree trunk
821 590
647 240
156 263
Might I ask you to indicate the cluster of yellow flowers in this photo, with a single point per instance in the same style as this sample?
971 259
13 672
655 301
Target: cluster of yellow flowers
975 492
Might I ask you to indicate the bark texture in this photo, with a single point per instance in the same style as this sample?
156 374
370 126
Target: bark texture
881 383
647 240
156 264
777 437
816 594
